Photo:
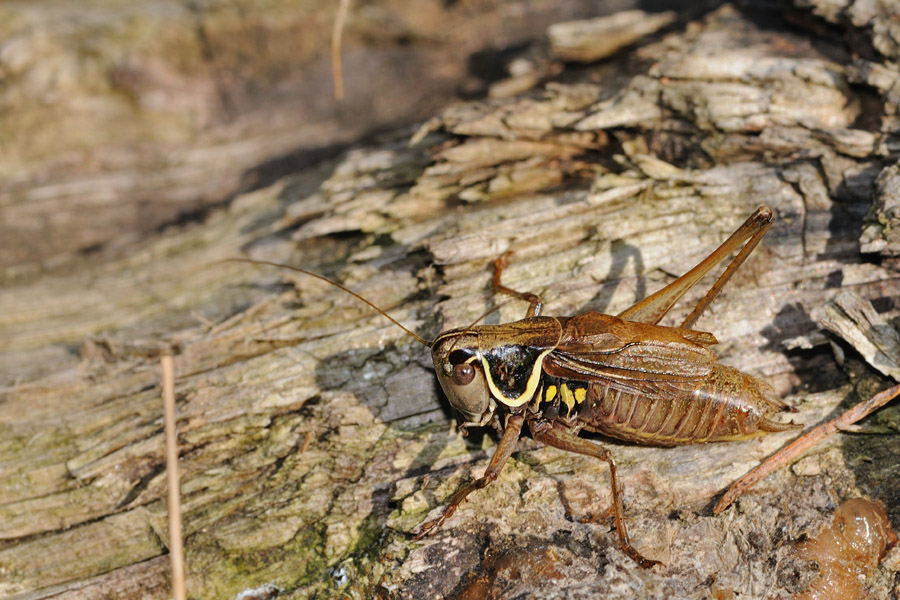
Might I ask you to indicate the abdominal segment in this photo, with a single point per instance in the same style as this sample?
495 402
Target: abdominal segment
724 405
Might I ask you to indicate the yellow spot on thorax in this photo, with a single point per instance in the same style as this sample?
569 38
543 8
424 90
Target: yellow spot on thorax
551 393
567 397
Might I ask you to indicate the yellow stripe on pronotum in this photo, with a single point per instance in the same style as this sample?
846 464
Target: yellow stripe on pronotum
533 380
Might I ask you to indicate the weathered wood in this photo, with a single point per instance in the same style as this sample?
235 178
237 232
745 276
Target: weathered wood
856 321
588 41
313 436
121 117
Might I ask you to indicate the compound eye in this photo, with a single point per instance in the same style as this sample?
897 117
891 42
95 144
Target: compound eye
463 374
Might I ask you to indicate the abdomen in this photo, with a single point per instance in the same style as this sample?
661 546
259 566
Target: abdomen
725 405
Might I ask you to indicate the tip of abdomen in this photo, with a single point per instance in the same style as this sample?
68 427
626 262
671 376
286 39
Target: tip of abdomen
767 424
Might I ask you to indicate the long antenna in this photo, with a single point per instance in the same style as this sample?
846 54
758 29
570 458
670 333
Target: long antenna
253 261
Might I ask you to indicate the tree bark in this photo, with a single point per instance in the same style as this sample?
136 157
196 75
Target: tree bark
314 438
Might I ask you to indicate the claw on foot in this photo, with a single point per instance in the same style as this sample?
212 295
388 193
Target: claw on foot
633 554
429 527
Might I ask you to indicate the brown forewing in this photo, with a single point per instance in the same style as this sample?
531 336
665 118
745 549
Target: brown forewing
633 357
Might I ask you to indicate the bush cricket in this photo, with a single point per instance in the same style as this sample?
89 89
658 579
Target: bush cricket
622 376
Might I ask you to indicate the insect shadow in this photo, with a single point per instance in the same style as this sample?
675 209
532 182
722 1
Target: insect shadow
622 253
814 367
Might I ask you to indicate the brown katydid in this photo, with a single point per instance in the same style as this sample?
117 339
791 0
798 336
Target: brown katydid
622 376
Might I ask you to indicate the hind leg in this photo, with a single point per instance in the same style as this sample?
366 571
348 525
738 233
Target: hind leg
564 440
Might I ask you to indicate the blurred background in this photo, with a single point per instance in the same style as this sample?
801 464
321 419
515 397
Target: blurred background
119 117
